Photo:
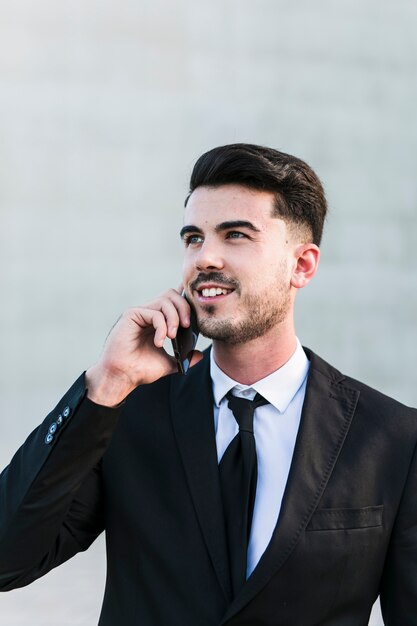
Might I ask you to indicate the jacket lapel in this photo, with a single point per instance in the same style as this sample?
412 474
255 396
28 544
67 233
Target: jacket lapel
327 413
192 416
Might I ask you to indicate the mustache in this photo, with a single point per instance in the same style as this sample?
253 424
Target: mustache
214 277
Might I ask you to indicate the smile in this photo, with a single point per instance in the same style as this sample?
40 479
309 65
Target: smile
214 291
210 292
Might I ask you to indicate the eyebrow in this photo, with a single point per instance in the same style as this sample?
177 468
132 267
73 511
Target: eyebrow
190 228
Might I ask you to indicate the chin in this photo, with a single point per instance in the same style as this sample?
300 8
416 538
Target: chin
209 309
229 332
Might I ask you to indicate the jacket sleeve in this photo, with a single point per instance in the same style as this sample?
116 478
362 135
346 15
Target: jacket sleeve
50 494
399 584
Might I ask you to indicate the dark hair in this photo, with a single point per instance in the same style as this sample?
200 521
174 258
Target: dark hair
299 194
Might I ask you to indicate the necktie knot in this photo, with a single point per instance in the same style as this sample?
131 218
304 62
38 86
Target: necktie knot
243 410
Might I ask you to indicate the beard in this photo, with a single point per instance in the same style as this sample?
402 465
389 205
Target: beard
261 315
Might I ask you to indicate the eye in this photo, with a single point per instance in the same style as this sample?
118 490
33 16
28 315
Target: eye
190 240
235 234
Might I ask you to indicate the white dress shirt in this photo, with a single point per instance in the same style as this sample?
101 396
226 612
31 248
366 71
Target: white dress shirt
275 428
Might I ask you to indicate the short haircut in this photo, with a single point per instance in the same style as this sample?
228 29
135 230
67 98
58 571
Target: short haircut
299 194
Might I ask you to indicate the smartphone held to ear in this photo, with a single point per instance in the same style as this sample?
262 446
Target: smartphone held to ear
184 344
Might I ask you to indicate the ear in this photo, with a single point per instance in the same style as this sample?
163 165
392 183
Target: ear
307 258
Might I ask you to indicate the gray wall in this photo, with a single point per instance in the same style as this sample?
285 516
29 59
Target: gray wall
104 107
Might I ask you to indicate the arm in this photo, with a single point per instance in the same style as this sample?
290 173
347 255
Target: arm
50 495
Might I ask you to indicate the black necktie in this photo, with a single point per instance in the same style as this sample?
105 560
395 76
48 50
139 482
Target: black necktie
238 476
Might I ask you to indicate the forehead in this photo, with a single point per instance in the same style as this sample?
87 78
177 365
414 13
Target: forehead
212 205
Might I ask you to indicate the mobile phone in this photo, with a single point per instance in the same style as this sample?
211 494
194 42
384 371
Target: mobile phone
185 342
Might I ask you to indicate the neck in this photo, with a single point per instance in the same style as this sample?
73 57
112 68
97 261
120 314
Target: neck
249 362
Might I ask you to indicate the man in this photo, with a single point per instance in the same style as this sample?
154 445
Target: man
330 514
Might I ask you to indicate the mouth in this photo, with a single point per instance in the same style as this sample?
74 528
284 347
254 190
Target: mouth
211 293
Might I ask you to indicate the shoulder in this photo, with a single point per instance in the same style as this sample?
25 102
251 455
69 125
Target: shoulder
370 400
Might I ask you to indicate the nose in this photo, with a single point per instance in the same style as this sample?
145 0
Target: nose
209 256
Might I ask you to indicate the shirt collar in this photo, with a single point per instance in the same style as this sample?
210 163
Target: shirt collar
279 388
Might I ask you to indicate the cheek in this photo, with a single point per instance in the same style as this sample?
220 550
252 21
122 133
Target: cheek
284 267
185 268
188 267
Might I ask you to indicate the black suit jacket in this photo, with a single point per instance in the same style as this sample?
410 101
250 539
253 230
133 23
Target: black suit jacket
147 474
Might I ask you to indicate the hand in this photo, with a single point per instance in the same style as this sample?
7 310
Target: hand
133 354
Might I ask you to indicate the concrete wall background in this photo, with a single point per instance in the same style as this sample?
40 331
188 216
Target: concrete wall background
104 107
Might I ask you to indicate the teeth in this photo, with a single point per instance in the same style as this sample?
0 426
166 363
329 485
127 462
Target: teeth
214 291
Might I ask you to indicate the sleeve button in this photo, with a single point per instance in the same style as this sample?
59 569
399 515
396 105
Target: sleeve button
66 412
49 438
53 428
59 420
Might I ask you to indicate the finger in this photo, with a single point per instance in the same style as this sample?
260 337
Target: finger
161 331
172 319
181 305
171 365
150 317
179 302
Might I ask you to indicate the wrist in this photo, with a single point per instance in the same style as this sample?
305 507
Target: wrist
107 388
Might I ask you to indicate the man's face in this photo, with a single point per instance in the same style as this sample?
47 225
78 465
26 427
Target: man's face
238 262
